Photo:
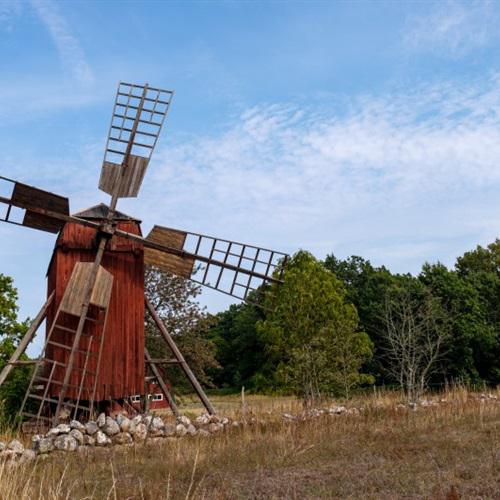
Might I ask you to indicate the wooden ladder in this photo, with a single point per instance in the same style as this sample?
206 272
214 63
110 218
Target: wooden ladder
50 372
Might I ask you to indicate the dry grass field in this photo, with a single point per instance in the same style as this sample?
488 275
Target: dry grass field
446 451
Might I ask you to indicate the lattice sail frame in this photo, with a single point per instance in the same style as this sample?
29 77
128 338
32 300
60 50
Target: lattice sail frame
136 122
32 207
231 267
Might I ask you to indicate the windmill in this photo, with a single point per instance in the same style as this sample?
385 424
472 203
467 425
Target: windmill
94 350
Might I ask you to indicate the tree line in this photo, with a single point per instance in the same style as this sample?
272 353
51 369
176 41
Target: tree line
344 323
335 325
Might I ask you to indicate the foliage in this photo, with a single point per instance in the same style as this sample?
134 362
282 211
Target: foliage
469 335
11 332
239 349
480 269
366 288
309 330
174 299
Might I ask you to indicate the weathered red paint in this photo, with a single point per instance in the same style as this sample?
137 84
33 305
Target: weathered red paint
122 363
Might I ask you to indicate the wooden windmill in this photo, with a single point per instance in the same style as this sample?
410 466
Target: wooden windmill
94 348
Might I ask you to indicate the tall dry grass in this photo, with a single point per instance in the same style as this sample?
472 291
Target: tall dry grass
451 450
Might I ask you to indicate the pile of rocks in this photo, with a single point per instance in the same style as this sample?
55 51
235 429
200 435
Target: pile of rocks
107 431
318 412
15 450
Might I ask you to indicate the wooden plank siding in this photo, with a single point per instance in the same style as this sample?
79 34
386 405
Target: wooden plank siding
122 367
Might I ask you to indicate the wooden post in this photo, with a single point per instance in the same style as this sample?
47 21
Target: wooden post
243 404
178 355
28 337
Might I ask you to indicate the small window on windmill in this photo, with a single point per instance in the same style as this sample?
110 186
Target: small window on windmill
157 397
135 399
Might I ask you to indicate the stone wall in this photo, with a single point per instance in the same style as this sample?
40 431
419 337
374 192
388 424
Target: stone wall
108 431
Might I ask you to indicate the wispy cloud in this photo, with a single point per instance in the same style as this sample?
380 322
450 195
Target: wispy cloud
409 172
453 27
70 51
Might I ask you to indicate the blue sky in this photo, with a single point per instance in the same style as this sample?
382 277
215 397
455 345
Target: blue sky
364 128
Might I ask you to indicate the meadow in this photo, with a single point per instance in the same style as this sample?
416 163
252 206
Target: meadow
446 450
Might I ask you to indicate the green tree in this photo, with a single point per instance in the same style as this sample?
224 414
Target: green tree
240 351
471 337
11 332
480 269
309 330
367 288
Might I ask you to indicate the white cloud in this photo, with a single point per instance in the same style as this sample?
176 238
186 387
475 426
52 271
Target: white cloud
453 27
414 172
70 52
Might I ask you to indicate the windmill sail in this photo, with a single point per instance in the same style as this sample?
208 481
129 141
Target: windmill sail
32 207
233 268
138 116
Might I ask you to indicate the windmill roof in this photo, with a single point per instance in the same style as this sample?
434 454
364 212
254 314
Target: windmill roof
101 211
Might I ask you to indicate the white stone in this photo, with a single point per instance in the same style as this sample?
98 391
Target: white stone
74 424
183 420
91 428
16 446
78 435
147 420
101 420
101 439
65 442
225 421
337 410
63 428
203 432
235 423
157 424
191 430
180 430
53 432
202 419
110 427
2 446
137 419
44 445
141 431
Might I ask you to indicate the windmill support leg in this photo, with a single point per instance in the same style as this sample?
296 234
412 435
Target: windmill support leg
180 358
162 384
28 337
